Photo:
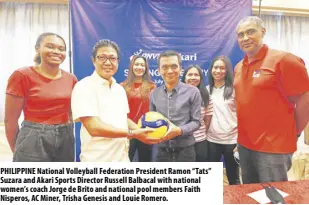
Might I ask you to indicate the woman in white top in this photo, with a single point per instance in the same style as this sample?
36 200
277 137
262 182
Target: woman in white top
193 75
222 132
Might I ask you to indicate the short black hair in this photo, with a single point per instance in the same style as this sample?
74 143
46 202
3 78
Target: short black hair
170 53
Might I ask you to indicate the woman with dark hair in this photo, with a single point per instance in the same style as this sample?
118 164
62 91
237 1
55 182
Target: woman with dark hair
138 86
222 132
43 93
193 75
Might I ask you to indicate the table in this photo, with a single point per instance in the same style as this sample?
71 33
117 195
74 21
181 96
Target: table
237 194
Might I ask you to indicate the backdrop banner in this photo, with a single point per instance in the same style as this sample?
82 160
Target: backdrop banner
198 29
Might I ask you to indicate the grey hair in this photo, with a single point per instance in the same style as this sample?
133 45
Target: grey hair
252 19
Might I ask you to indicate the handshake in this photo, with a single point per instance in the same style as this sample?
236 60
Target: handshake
142 134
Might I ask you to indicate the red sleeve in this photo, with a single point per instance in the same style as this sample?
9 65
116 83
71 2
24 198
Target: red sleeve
17 85
293 75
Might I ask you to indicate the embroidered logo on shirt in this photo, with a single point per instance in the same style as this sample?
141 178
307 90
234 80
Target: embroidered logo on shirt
256 74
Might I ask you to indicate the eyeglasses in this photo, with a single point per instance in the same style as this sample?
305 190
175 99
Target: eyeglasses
103 59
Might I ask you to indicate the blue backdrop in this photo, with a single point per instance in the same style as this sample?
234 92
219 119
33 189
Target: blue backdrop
198 29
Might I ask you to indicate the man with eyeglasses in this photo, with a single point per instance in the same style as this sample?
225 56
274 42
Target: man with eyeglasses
272 100
101 105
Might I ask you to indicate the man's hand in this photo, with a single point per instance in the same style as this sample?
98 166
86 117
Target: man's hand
141 134
235 150
172 132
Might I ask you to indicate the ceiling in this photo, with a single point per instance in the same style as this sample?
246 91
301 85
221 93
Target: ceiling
38 1
287 7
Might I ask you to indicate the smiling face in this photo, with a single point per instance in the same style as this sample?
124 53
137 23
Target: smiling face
193 77
250 37
52 50
139 67
218 70
106 62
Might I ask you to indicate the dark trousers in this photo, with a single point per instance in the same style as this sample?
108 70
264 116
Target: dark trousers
178 154
215 152
144 151
259 167
44 143
201 151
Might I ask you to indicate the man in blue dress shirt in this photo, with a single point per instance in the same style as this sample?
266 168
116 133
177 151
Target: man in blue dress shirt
180 103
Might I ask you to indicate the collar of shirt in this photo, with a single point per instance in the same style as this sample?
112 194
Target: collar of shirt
221 87
100 80
259 56
176 88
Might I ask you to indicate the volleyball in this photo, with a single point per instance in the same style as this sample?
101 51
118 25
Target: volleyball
155 121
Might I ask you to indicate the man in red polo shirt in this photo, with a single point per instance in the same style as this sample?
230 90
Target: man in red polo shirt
272 99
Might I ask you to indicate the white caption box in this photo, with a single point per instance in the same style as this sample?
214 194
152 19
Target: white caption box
111 183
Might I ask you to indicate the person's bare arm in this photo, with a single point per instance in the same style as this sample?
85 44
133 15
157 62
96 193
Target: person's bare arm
97 128
301 110
132 125
13 108
70 116
207 120
306 134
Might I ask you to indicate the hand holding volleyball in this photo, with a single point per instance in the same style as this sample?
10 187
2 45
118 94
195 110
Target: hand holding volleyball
172 132
163 129
141 134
